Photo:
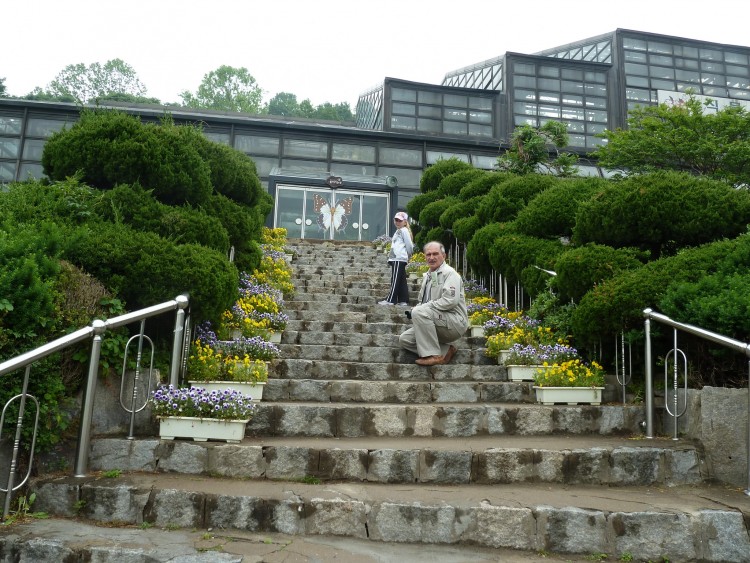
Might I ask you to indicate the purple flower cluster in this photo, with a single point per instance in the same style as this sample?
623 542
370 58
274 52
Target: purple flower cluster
228 404
205 334
255 347
276 320
540 353
270 252
475 288
249 287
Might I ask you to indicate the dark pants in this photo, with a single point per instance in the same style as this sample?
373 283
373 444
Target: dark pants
399 292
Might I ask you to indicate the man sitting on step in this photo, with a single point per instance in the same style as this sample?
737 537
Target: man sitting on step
440 318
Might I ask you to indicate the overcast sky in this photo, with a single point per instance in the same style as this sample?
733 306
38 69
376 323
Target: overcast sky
324 50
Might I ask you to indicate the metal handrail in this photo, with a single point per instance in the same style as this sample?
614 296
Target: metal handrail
93 332
736 345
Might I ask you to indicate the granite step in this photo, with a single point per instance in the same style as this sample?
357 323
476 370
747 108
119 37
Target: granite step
570 460
377 350
684 523
455 420
399 392
384 370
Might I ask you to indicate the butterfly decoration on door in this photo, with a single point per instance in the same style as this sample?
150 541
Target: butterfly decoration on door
335 215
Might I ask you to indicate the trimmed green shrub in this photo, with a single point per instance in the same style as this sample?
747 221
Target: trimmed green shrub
580 269
505 200
415 205
430 216
109 148
135 206
452 184
478 249
458 210
515 256
552 213
435 174
233 173
617 304
244 226
436 233
464 228
483 184
145 269
663 212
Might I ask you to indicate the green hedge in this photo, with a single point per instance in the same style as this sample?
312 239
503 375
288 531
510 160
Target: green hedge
580 269
109 148
618 303
435 174
144 269
552 213
663 212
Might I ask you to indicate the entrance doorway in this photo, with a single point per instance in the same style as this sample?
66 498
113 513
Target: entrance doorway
335 214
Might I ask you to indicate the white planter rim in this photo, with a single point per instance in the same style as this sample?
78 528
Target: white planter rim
205 418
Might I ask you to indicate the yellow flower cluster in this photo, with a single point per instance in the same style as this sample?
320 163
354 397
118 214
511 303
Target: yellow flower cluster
274 237
276 273
572 373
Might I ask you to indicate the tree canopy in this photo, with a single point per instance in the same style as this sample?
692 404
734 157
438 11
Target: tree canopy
2 86
529 151
285 103
682 137
82 84
227 88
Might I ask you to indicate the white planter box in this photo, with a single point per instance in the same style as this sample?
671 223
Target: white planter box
476 330
502 356
275 338
254 390
522 373
201 429
569 395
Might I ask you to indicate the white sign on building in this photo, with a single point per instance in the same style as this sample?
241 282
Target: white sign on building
711 104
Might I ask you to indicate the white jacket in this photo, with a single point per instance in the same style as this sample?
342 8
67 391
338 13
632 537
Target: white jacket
401 246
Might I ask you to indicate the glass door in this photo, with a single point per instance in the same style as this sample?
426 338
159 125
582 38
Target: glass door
315 213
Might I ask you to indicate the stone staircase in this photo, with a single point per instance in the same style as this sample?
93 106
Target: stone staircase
353 439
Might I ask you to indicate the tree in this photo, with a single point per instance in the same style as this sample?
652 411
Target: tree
228 89
682 137
2 87
529 151
283 103
83 83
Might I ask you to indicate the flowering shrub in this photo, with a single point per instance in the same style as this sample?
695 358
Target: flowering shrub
539 354
571 373
381 239
225 405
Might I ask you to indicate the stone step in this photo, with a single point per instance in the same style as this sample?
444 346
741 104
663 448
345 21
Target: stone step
569 460
380 350
384 369
352 420
686 523
400 392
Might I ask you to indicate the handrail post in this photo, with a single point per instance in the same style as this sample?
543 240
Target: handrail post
649 379
179 332
87 408
17 442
